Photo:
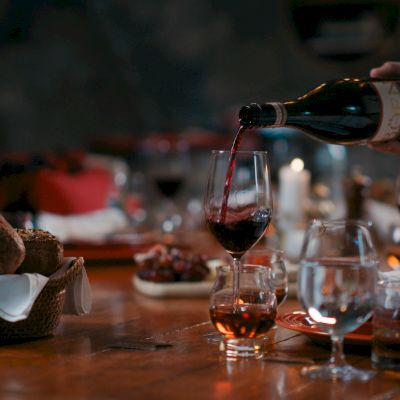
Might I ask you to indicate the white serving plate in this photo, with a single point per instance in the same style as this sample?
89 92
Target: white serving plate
178 289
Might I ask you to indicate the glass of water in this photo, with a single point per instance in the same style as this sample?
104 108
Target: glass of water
337 276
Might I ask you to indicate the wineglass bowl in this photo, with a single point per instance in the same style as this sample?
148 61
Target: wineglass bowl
243 324
238 199
337 275
169 167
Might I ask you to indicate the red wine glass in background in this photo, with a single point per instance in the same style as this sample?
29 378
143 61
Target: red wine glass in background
238 202
169 167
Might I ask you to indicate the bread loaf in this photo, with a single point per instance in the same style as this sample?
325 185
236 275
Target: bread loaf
44 252
12 249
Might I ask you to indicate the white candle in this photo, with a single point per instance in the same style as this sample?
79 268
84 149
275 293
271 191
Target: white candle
294 186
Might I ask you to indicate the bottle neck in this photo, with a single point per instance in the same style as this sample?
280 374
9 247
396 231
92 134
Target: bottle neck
263 115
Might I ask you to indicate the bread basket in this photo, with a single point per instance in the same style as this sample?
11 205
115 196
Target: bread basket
46 310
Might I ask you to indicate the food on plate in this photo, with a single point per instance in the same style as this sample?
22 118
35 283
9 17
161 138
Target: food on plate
170 264
44 252
12 249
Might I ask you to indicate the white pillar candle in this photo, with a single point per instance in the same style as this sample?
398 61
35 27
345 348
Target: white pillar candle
294 186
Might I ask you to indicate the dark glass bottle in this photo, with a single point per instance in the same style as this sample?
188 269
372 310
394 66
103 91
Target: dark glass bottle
345 111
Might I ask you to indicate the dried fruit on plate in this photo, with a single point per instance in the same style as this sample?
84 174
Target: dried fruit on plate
170 264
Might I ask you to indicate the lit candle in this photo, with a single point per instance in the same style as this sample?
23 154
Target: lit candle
294 186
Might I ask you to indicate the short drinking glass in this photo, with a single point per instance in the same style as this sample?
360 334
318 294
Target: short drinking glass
386 323
244 323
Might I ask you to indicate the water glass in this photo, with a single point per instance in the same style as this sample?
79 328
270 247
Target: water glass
336 281
386 324
244 320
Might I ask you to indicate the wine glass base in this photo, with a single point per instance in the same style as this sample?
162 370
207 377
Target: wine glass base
335 373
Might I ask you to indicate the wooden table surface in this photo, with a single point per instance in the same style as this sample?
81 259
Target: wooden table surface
86 358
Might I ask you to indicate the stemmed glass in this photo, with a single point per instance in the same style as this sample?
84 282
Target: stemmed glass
337 276
169 168
237 206
238 201
275 261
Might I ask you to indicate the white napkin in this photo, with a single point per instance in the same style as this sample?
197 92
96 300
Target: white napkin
18 293
391 276
95 225
383 216
78 294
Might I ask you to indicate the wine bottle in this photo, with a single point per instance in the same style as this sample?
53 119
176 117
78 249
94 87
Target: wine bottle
345 111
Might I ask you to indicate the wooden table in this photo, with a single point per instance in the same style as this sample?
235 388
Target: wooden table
172 358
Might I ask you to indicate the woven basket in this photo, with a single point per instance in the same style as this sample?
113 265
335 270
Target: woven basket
46 311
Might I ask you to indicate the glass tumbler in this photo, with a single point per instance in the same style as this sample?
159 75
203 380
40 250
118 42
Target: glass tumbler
386 323
243 320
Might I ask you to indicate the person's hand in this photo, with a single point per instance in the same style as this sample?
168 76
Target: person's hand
390 69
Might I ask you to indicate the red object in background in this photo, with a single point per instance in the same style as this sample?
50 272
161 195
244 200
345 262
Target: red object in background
63 193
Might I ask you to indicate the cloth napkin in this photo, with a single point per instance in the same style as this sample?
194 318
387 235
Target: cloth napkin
391 276
383 216
18 293
90 226
78 294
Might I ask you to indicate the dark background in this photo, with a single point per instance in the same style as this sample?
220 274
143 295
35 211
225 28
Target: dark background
74 71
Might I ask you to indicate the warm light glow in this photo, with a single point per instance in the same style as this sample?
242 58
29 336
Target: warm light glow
221 329
317 317
393 262
297 164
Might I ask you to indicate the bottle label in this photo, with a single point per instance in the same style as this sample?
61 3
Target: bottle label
389 92
281 114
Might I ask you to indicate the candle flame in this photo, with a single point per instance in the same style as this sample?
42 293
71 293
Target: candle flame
297 164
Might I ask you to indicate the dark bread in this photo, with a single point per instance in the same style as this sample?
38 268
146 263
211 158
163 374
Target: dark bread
44 252
12 249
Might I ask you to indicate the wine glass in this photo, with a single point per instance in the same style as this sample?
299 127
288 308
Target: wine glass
170 165
273 259
243 327
238 201
337 275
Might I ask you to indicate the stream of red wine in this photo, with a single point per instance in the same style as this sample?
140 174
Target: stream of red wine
224 206
229 174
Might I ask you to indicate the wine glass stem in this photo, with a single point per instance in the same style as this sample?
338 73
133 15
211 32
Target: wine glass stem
337 355
236 280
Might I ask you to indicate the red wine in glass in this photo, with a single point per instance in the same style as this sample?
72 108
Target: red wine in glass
238 233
